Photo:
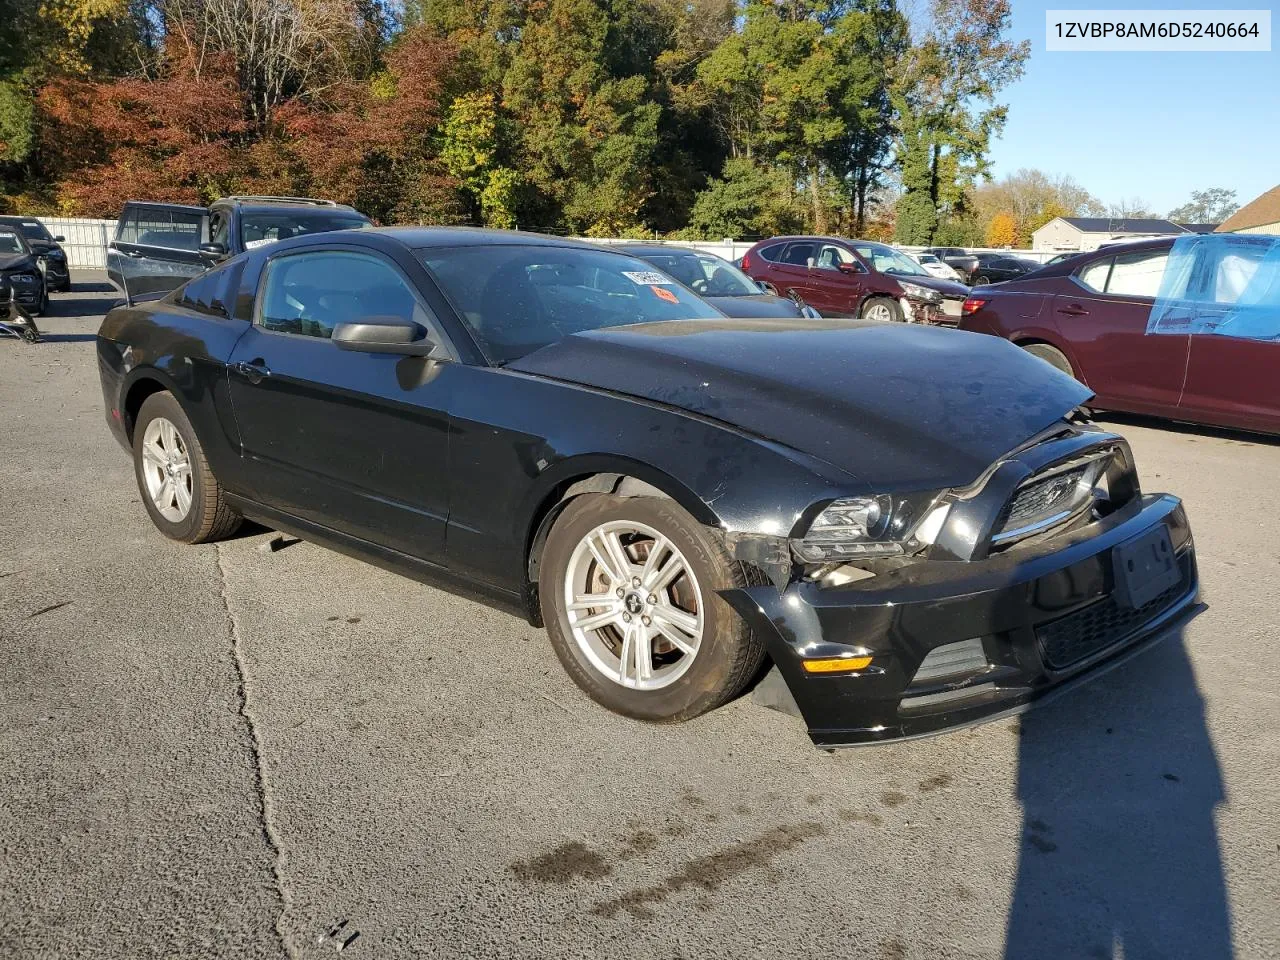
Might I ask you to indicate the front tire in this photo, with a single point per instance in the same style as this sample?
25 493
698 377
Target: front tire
628 587
180 492
981 281
881 308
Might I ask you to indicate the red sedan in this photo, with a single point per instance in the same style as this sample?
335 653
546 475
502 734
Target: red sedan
1187 328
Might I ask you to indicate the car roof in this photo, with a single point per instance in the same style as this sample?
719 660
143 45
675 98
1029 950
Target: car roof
160 204
640 249
268 204
420 238
14 218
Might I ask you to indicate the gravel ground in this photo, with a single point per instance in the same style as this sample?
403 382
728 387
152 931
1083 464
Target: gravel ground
221 751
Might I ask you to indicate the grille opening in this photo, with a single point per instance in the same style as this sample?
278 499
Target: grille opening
1078 490
1077 636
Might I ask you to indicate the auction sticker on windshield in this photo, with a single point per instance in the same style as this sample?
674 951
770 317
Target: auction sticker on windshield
664 294
646 278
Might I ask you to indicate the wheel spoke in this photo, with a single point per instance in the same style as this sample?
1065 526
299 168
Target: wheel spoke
585 601
677 618
168 436
597 620
164 499
643 654
656 550
153 453
614 545
678 640
667 572
604 561
182 495
623 657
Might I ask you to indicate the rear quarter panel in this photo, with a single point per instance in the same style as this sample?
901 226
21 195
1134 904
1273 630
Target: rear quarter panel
186 354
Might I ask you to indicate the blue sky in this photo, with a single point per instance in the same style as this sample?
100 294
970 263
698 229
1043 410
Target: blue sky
1149 125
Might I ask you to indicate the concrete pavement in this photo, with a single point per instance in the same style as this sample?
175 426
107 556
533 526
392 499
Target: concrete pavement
220 751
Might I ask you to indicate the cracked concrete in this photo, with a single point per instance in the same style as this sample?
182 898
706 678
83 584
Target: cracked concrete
396 771
259 780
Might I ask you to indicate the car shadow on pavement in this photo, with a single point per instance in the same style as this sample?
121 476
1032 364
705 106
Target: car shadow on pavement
1189 429
1119 854
67 337
82 306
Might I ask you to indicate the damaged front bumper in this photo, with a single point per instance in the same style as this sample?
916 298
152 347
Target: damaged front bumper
954 643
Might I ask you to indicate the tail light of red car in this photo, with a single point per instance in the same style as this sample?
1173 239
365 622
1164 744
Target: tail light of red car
746 262
973 305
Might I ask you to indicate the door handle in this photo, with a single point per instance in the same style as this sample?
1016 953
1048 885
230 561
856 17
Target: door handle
1074 310
131 253
255 371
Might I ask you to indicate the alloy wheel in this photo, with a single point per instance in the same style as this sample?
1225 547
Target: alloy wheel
166 470
879 311
634 605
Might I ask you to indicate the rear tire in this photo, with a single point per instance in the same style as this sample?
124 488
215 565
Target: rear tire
180 492
1052 356
881 308
661 652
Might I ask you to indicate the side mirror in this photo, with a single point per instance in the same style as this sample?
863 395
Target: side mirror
848 267
387 335
214 250
59 239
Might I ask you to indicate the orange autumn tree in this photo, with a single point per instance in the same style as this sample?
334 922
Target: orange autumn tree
1002 231
193 132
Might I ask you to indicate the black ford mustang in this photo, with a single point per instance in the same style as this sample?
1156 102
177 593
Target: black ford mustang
905 520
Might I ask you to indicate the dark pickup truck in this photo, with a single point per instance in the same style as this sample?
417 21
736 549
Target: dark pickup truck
160 246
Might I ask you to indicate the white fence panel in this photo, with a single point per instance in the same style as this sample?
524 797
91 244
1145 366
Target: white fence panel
85 241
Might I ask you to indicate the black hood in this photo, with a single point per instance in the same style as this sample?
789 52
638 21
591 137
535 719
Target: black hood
42 247
902 407
16 261
948 288
762 305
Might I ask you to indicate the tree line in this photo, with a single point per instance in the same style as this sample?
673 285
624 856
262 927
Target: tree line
695 118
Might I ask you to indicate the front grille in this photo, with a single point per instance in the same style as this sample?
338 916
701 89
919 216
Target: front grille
1104 623
1043 498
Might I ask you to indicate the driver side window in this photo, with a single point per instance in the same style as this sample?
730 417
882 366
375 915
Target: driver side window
830 257
308 294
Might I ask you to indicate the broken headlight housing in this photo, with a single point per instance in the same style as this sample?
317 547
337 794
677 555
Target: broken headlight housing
877 526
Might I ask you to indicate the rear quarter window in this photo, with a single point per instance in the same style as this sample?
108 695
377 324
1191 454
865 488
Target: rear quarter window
167 229
771 252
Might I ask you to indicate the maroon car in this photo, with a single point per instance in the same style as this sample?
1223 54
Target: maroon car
854 278
1187 328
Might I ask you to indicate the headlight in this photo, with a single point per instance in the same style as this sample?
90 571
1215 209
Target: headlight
23 278
919 292
56 255
879 526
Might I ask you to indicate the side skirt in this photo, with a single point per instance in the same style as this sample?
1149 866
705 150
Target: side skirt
395 561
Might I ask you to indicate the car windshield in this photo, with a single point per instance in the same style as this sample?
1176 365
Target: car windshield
260 227
703 273
516 298
10 242
888 260
31 229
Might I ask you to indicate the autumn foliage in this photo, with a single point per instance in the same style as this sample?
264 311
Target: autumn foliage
188 136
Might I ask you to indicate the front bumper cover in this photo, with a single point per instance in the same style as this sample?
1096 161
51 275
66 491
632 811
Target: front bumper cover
1023 605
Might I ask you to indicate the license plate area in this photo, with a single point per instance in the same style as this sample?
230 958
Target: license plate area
1144 568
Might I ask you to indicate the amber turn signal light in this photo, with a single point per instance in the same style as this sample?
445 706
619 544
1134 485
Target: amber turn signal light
836 664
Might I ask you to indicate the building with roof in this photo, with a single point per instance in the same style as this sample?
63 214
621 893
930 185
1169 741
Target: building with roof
1259 216
1090 233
